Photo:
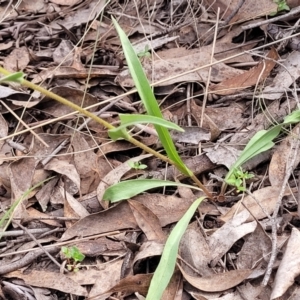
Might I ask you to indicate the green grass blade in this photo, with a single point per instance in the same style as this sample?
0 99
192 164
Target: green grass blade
292 118
14 77
130 188
148 99
260 142
166 266
129 120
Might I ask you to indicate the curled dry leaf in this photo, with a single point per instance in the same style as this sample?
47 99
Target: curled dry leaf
147 221
223 238
248 78
217 282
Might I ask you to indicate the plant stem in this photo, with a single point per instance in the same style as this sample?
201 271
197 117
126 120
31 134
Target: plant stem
87 113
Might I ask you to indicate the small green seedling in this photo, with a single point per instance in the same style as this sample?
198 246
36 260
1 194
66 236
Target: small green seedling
145 53
238 179
73 257
137 165
281 5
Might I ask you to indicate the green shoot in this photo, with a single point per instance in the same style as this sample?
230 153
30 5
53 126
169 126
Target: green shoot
281 5
238 179
137 165
14 77
144 53
73 257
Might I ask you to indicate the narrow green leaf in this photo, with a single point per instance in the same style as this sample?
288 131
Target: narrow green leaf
260 142
166 266
148 99
130 188
14 77
133 119
292 118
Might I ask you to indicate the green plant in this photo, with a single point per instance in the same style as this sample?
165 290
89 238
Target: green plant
145 53
260 142
238 179
281 5
73 257
137 165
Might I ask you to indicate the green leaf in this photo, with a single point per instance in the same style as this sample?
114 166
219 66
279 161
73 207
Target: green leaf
130 188
14 77
260 142
148 99
77 255
292 118
133 119
166 266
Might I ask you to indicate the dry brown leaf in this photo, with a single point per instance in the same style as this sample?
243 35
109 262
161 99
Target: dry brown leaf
279 161
267 198
248 78
148 249
257 246
233 230
132 284
174 290
64 168
76 96
289 267
101 246
174 61
147 221
85 161
109 276
17 60
35 214
287 73
254 9
195 251
217 282
52 280
116 218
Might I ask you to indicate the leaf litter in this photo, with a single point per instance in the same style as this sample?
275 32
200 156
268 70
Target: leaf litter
72 49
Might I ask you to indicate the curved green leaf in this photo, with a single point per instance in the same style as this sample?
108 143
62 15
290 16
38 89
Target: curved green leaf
133 119
148 99
130 188
166 266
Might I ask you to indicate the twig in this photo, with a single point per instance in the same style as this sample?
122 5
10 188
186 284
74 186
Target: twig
22 232
26 259
291 13
39 244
